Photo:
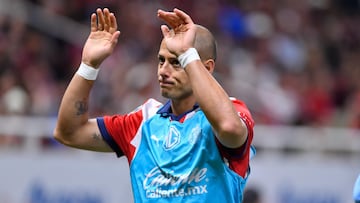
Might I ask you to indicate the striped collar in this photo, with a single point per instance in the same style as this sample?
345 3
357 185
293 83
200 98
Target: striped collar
166 111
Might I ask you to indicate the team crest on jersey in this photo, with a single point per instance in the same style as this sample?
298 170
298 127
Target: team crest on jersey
195 134
172 138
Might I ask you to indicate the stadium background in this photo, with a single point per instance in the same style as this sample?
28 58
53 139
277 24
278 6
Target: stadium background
295 63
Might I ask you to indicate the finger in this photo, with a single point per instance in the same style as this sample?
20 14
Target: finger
165 31
183 16
114 39
170 18
100 18
113 23
93 23
106 19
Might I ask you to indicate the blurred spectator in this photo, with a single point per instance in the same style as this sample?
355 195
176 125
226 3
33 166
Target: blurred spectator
14 98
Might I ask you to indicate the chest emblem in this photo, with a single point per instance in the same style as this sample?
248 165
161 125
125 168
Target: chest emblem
172 139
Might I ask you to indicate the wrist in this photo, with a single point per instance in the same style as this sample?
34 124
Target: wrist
87 72
188 56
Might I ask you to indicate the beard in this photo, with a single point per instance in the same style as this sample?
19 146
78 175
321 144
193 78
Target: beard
177 94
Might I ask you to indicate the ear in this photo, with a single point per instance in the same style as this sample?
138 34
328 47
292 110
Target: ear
209 65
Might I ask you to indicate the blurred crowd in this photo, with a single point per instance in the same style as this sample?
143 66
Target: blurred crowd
293 62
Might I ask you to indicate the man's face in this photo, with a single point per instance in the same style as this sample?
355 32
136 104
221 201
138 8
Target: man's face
173 80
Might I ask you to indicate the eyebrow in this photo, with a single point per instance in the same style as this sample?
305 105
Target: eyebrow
169 58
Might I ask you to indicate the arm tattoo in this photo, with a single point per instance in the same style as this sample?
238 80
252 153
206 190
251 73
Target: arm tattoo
97 137
81 107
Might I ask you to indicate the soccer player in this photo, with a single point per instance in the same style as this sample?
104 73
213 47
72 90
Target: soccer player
194 148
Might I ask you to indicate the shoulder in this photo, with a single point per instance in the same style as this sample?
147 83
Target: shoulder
148 105
236 101
240 105
243 110
152 104
149 108
137 115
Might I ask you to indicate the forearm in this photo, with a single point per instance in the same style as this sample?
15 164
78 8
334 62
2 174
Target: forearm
209 94
217 106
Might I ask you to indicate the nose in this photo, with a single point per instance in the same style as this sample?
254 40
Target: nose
164 70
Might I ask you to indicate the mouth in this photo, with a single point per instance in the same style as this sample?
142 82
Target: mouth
165 83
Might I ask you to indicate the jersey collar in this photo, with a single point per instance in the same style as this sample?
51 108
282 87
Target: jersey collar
165 111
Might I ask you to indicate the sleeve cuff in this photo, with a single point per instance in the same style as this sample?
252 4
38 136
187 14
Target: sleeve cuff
107 137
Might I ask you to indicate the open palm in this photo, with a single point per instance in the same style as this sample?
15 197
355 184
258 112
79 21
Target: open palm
102 39
181 34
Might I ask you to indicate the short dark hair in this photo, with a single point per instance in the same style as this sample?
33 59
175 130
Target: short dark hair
205 43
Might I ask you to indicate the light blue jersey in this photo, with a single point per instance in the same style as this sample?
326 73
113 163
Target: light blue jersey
179 160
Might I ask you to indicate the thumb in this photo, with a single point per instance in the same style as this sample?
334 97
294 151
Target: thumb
114 38
165 31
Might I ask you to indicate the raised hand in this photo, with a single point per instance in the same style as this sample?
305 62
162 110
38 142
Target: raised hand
102 39
181 34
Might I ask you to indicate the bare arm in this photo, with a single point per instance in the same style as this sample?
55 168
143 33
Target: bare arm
73 127
213 100
218 108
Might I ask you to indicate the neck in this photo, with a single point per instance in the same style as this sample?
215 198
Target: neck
179 107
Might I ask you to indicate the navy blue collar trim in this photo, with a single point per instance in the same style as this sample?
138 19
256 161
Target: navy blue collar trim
166 111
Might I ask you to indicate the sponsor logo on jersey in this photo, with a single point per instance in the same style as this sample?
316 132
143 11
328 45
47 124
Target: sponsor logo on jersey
161 184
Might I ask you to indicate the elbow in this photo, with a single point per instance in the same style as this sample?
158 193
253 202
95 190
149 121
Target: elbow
233 134
57 136
237 127
61 137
